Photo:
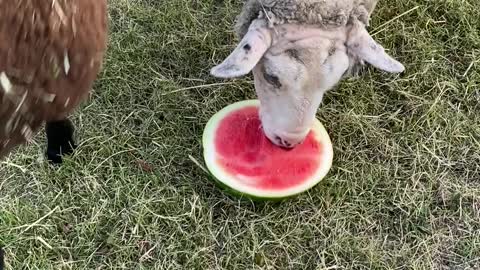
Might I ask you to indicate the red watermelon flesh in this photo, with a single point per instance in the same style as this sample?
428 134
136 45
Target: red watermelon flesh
245 151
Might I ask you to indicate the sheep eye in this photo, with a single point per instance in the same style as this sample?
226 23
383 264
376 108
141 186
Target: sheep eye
271 79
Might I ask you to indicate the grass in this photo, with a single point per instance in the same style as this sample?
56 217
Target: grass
404 191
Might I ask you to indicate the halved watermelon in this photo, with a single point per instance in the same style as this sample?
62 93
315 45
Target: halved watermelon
244 161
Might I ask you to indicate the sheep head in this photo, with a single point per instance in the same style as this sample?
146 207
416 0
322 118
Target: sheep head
294 65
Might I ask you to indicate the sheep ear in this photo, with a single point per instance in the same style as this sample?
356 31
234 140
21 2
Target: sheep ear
362 45
247 53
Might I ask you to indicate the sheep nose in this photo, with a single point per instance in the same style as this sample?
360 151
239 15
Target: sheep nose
283 143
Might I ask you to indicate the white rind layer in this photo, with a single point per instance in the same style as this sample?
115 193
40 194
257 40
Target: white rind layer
226 178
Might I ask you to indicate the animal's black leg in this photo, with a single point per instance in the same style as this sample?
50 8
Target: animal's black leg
59 140
2 262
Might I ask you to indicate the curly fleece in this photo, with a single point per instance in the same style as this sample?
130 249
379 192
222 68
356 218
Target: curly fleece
325 13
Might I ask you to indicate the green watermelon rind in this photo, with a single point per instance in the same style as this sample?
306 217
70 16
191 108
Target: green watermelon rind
217 174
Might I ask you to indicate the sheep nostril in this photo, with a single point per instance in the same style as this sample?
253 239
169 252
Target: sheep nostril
282 142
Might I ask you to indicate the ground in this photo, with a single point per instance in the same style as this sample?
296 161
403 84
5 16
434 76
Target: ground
403 192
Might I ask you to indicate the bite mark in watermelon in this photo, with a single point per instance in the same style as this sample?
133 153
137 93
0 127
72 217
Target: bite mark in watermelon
241 158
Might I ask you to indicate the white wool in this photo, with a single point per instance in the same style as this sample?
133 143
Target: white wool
326 13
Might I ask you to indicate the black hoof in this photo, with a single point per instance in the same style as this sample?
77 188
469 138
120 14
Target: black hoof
2 260
59 140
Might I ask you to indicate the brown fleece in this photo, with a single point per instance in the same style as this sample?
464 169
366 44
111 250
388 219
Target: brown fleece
51 52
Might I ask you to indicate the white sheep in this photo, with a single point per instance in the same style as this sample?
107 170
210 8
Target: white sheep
50 55
297 50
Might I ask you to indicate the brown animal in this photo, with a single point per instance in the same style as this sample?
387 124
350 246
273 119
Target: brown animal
51 52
